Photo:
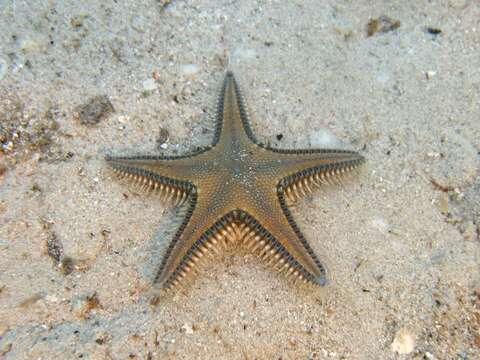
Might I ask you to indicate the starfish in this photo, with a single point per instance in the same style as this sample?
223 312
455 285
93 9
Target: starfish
237 191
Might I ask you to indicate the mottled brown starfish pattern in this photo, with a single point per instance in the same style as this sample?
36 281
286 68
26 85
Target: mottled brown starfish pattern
237 191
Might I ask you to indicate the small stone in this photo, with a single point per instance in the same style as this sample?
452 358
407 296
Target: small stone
443 203
77 21
81 307
8 147
433 30
324 138
458 4
138 23
162 138
404 342
433 155
476 340
189 70
242 54
149 85
31 300
102 337
3 68
123 119
54 248
66 265
3 328
430 74
381 225
3 168
51 298
29 46
187 328
3 244
470 232
163 3
383 77
5 348
382 24
94 110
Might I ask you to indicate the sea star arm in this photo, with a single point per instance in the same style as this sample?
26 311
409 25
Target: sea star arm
165 175
206 226
232 126
304 170
278 240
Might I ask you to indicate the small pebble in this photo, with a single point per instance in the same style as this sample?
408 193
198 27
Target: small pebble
138 23
8 147
5 347
383 77
189 69
403 343
324 138
149 85
94 110
381 25
433 30
187 328
380 224
123 119
433 155
31 300
3 244
458 4
82 306
470 232
77 20
3 68
162 139
3 328
51 298
29 46
443 203
243 54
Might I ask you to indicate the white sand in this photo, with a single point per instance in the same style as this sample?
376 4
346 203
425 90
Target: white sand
402 251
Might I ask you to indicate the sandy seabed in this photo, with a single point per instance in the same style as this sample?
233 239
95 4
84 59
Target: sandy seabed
399 81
